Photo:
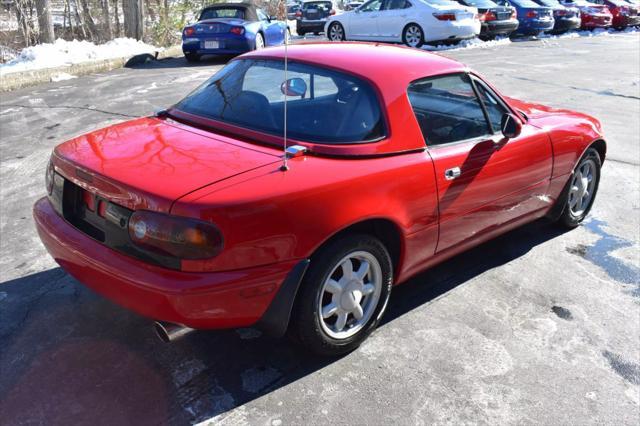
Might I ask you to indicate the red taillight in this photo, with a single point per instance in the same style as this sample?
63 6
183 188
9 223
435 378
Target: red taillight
488 16
175 236
333 12
445 16
532 14
514 14
189 31
561 13
237 30
298 14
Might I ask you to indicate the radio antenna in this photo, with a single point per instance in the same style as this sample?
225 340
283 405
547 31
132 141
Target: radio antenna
285 165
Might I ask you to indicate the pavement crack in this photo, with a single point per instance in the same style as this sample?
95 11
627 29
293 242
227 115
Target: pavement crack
69 107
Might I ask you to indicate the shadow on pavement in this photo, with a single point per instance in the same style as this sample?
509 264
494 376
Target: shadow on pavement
68 356
147 61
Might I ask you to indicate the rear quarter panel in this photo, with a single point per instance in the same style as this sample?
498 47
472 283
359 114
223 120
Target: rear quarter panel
269 216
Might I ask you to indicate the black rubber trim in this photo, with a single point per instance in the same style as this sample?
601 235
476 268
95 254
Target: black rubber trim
276 319
558 208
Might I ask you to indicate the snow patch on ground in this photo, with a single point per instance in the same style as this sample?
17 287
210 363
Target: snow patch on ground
63 52
62 76
474 43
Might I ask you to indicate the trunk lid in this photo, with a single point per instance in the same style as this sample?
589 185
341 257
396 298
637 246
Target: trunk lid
148 163
217 26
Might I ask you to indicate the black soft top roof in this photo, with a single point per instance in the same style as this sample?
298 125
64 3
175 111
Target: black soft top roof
250 13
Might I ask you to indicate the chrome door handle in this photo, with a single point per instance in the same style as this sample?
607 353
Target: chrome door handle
451 174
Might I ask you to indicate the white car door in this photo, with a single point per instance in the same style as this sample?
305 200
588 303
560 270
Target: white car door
363 24
393 17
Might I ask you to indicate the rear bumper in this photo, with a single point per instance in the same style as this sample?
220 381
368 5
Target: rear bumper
494 28
567 24
198 300
227 46
453 30
590 22
621 21
535 26
310 26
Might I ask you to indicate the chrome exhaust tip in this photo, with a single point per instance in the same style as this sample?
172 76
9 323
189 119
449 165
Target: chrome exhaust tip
169 332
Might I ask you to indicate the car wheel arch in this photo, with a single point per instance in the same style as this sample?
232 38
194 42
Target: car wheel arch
600 145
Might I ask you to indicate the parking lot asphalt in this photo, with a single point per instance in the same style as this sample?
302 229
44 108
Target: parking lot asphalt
540 326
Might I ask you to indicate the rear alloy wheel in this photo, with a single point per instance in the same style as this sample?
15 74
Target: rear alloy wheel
343 295
580 192
259 41
413 36
336 32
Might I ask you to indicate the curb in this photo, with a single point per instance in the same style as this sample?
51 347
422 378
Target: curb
19 80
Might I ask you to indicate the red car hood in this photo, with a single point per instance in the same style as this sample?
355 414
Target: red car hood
150 162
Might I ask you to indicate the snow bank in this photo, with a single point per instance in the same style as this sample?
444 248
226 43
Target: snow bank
474 43
64 52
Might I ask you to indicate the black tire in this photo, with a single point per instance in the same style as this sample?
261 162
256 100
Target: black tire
407 30
301 33
305 327
316 33
192 57
332 30
568 218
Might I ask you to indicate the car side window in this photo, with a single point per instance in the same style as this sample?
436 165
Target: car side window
261 15
396 4
495 109
447 109
371 6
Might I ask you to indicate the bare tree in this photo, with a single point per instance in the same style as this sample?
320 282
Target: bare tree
89 23
106 19
116 15
45 23
133 19
23 14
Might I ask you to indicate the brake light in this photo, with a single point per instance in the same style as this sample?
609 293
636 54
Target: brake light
299 14
333 12
175 236
487 16
237 30
189 31
561 12
532 14
445 16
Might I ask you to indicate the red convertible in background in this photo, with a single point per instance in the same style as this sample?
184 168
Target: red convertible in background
401 159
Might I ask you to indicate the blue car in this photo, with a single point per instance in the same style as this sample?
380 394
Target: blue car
232 29
533 19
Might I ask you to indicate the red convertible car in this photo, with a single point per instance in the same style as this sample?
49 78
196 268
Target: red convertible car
400 159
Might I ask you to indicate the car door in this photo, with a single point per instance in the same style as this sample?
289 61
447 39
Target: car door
393 17
363 24
484 180
273 32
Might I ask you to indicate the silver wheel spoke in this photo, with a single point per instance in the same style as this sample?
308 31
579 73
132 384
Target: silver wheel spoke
363 270
368 289
333 287
342 321
347 269
357 312
329 310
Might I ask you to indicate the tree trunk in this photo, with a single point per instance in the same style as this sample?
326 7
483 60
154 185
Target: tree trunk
88 20
24 22
133 24
45 23
106 19
116 15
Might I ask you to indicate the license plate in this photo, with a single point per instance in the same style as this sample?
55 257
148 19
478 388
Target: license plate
211 44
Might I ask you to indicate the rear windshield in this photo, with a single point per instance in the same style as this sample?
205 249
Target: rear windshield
325 5
323 106
524 3
222 12
483 4
549 3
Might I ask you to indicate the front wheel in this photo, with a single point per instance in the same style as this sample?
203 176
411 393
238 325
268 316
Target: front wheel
336 32
343 295
413 36
259 41
580 192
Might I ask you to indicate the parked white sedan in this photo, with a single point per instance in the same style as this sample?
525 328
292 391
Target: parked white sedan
412 22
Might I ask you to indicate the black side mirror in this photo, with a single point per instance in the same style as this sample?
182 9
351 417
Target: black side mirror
511 127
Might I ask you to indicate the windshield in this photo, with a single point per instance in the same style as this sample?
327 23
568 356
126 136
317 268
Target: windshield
318 5
549 3
323 106
482 4
222 12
